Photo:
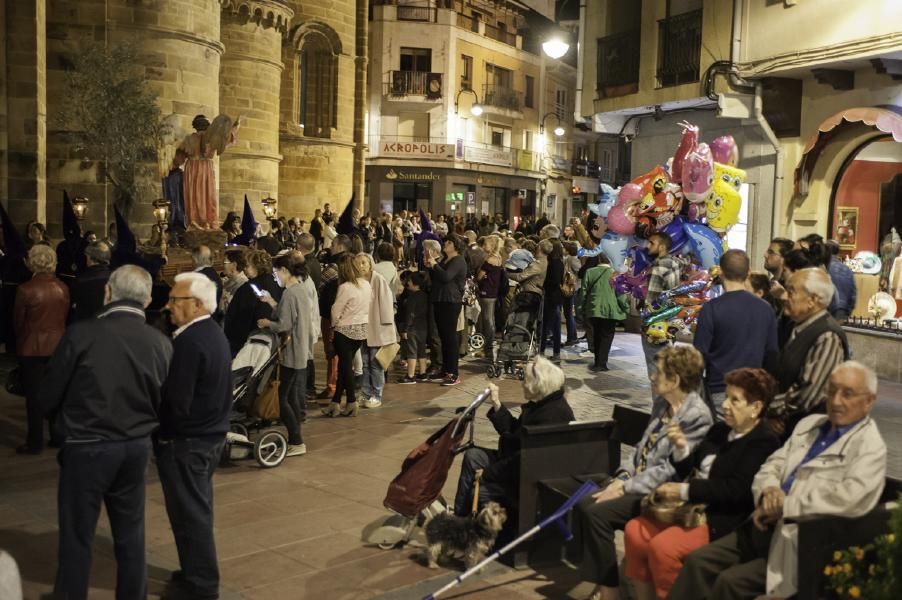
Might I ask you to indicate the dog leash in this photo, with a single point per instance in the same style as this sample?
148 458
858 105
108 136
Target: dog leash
476 493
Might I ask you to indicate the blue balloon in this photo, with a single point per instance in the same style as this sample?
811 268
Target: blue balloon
678 238
607 198
616 248
706 244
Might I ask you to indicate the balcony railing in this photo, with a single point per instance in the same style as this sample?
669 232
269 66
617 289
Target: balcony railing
417 13
415 83
468 23
618 60
585 168
502 97
679 48
500 35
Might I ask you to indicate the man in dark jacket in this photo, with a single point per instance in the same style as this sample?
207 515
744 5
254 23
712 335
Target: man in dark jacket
203 263
89 288
194 418
498 471
102 390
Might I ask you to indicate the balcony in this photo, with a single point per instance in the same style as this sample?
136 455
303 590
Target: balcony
679 48
468 23
417 13
500 35
618 64
585 168
415 83
501 97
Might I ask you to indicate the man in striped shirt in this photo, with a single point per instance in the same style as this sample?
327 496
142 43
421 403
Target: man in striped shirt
815 347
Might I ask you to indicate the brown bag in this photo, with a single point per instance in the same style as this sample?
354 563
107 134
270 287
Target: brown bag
267 404
673 512
569 285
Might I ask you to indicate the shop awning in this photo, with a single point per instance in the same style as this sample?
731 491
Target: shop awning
886 119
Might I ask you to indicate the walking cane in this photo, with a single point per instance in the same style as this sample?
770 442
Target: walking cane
557 516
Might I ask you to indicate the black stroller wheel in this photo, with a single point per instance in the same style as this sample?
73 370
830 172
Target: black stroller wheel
491 372
270 449
477 341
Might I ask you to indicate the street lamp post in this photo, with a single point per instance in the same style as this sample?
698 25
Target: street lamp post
558 131
475 108
161 214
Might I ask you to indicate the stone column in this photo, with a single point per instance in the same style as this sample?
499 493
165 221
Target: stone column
26 110
249 82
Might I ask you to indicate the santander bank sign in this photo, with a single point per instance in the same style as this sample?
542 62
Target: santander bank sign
415 149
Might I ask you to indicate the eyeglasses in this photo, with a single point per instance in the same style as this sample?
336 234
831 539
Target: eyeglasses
844 393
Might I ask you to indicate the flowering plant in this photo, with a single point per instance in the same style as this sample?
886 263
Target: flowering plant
870 572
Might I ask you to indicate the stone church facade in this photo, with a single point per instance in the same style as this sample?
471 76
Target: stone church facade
287 67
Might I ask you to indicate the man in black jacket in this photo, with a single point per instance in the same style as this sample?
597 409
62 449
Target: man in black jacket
327 292
498 471
102 390
203 263
89 288
194 418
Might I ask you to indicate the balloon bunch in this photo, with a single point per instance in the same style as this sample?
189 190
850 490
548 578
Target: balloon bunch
675 311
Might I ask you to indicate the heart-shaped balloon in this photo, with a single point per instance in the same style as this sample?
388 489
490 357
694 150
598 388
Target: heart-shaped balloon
619 222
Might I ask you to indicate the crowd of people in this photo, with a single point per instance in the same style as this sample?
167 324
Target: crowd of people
744 420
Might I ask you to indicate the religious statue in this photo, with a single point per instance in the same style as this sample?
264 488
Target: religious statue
174 192
209 139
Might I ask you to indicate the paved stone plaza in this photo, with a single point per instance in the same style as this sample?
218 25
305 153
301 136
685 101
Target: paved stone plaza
295 531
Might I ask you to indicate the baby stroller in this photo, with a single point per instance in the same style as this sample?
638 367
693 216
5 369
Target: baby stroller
518 339
252 370
414 496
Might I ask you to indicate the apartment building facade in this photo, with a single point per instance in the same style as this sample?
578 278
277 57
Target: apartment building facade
462 110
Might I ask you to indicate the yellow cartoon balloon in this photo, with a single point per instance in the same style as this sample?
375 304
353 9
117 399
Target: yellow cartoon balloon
723 202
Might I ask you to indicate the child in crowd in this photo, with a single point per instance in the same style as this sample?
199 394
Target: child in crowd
413 328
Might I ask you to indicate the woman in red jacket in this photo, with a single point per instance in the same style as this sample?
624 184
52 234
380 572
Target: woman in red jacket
42 305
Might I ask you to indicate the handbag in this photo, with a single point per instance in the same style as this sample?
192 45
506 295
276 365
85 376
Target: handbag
569 285
673 512
386 354
267 404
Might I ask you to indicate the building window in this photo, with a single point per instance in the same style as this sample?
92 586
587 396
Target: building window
500 136
679 48
466 72
416 59
498 76
560 104
530 92
318 87
413 127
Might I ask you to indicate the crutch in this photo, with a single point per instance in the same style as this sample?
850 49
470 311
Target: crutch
558 517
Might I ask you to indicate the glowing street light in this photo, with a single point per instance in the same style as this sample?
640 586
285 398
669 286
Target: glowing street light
555 47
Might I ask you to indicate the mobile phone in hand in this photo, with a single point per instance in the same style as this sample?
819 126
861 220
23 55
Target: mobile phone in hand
256 290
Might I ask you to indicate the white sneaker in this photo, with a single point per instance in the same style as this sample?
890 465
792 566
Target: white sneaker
371 402
586 354
296 450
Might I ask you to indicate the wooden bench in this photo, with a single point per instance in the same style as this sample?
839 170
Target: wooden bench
554 461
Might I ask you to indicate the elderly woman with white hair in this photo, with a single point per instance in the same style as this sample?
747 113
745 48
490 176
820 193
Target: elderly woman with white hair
40 312
499 470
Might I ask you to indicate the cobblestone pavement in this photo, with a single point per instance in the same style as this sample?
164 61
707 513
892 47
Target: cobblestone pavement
295 531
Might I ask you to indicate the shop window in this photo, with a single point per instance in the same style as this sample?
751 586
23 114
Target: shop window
737 236
412 196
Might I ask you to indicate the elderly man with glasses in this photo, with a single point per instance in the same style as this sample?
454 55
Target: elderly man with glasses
833 464
194 418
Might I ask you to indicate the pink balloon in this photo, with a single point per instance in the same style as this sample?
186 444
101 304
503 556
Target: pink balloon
724 150
618 222
698 174
687 144
629 193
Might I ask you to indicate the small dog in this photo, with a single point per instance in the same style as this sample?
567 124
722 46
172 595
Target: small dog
469 538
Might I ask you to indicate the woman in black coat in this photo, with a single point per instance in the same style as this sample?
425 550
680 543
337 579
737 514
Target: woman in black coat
724 465
447 280
245 308
543 387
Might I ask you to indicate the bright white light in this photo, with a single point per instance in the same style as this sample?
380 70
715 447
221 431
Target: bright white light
475 110
555 47
559 131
